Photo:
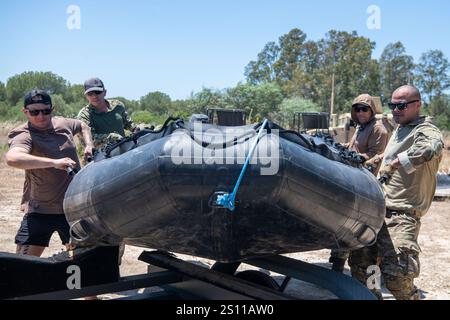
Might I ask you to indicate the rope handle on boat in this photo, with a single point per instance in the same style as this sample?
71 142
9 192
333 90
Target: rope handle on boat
226 200
75 237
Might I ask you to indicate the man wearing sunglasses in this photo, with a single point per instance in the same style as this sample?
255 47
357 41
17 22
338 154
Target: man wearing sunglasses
369 140
370 137
411 161
107 118
44 147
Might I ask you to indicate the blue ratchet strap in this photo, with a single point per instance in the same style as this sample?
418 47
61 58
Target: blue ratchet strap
228 200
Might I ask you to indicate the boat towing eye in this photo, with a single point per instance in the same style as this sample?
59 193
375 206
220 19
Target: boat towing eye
226 200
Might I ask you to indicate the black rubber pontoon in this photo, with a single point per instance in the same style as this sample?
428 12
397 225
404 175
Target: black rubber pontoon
156 190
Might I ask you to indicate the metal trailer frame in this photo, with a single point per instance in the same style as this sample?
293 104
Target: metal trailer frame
178 279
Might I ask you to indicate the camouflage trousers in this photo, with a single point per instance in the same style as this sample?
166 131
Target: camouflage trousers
338 258
399 250
339 254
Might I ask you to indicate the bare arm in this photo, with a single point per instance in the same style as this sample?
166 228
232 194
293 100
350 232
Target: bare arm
87 139
20 158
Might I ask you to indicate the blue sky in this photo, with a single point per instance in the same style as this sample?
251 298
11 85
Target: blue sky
178 46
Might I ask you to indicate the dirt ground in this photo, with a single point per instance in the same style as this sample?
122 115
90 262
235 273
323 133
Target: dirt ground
434 280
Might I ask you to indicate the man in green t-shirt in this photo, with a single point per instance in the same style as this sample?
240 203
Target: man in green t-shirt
107 118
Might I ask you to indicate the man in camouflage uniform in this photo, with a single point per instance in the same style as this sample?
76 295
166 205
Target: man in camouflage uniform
369 141
107 118
411 161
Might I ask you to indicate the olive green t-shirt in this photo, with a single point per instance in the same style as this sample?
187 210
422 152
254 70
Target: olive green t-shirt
47 187
116 120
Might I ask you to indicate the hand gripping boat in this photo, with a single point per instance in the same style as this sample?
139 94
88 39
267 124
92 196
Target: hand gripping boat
162 190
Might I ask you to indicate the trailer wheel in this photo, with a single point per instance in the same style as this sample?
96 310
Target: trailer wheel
259 278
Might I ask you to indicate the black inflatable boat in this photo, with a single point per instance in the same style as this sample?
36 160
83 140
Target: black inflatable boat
159 189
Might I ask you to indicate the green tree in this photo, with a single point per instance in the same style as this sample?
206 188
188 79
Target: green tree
4 110
306 68
303 82
291 52
439 109
291 106
130 105
61 108
182 109
156 102
18 85
75 94
258 101
396 69
348 57
207 98
279 61
241 97
262 70
433 74
147 118
2 91
371 82
11 112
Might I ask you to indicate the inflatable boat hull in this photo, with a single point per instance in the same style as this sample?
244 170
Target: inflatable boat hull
157 197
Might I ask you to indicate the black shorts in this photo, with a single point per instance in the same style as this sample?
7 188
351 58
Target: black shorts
37 229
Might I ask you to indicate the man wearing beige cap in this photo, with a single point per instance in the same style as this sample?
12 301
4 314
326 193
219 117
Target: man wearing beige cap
370 137
369 140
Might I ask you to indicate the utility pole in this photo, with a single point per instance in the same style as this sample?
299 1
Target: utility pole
332 98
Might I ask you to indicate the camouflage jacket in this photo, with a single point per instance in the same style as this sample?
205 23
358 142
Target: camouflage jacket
102 124
418 146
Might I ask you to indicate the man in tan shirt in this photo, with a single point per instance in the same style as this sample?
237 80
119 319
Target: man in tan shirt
369 141
45 149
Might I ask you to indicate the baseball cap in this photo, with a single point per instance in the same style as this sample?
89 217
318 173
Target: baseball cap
37 96
93 84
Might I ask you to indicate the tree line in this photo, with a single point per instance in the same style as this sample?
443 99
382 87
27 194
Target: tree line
290 75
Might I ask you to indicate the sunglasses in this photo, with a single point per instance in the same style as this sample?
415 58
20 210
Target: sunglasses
94 93
45 112
361 108
400 106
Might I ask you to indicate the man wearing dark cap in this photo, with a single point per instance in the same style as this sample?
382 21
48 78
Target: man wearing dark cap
369 140
107 118
44 147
